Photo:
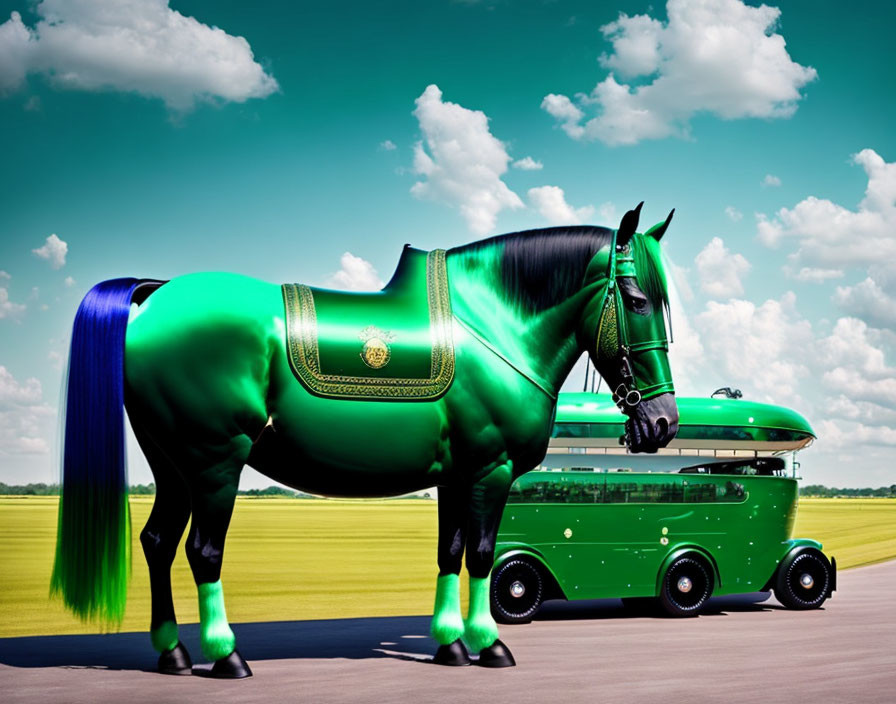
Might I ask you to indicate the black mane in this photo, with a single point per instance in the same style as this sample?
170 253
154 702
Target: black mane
541 268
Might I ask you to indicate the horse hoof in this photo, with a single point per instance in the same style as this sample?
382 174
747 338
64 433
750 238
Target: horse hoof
176 661
496 655
454 655
233 667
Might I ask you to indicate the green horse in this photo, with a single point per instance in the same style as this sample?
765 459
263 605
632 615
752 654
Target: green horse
448 377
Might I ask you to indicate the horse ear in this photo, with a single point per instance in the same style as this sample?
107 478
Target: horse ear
628 226
658 231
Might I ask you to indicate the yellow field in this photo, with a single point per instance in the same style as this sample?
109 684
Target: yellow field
288 559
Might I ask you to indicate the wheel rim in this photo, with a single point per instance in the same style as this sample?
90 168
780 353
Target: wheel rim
687 585
807 579
517 590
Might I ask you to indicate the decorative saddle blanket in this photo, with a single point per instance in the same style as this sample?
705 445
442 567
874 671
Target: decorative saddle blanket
395 344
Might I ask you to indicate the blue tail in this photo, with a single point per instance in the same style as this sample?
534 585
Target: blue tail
93 538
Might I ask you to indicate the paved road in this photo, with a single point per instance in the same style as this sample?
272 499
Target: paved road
743 650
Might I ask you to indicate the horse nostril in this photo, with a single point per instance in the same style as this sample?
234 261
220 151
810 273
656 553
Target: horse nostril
661 427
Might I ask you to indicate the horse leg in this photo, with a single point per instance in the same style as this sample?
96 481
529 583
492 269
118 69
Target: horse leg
213 491
447 620
167 520
486 506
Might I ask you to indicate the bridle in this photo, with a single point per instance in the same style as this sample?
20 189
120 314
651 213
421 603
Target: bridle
612 341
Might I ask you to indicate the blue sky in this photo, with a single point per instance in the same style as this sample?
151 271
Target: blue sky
302 142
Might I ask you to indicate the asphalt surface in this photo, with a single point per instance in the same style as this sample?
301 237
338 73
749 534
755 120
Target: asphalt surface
744 649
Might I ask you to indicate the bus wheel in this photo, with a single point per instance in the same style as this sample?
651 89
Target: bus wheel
686 587
517 591
803 580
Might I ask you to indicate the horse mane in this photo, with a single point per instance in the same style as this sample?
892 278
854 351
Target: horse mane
541 268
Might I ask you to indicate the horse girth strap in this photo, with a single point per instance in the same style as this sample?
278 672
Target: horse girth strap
392 345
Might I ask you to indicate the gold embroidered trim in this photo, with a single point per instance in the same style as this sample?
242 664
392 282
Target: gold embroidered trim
304 354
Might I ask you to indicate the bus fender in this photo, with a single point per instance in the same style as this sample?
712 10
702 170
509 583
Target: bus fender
682 550
797 545
553 589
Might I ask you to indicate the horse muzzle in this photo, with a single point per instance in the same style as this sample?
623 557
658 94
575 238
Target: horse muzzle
652 423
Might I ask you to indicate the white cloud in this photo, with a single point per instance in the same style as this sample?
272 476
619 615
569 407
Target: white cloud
528 164
716 56
733 213
869 301
54 251
568 115
24 417
831 235
69 281
814 275
461 162
550 202
720 271
355 274
140 46
771 181
758 348
8 309
388 146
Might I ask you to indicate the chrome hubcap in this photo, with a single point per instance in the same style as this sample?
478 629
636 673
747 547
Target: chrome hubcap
806 581
685 584
517 589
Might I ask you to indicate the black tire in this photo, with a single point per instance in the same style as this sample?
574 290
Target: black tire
687 584
517 591
803 580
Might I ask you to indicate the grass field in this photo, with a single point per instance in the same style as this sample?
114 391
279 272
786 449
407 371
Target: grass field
288 559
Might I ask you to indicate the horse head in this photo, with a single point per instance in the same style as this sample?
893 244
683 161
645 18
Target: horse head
624 330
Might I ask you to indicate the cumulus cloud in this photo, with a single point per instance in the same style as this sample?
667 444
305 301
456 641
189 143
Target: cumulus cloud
828 234
720 270
355 274
814 275
762 348
528 164
8 309
715 56
54 251
388 146
139 46
461 161
733 213
771 181
24 417
550 202
869 301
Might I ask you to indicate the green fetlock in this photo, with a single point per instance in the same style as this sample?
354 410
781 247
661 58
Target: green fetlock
216 638
164 637
480 630
447 621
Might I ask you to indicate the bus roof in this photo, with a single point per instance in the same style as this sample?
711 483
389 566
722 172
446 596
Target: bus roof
592 420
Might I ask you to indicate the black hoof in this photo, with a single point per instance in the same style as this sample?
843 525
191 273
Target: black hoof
496 655
454 655
175 661
233 667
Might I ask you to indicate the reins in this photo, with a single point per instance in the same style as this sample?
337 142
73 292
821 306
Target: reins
627 395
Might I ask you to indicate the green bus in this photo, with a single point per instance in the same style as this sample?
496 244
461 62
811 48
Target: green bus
711 514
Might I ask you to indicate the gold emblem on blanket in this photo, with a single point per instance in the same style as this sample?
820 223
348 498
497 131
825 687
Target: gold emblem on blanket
376 351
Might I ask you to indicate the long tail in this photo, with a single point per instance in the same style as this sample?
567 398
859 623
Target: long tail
93 540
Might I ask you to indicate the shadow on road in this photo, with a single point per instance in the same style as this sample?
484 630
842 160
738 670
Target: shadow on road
403 637
613 608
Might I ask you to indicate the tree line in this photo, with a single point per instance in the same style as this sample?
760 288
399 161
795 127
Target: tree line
824 492
41 489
